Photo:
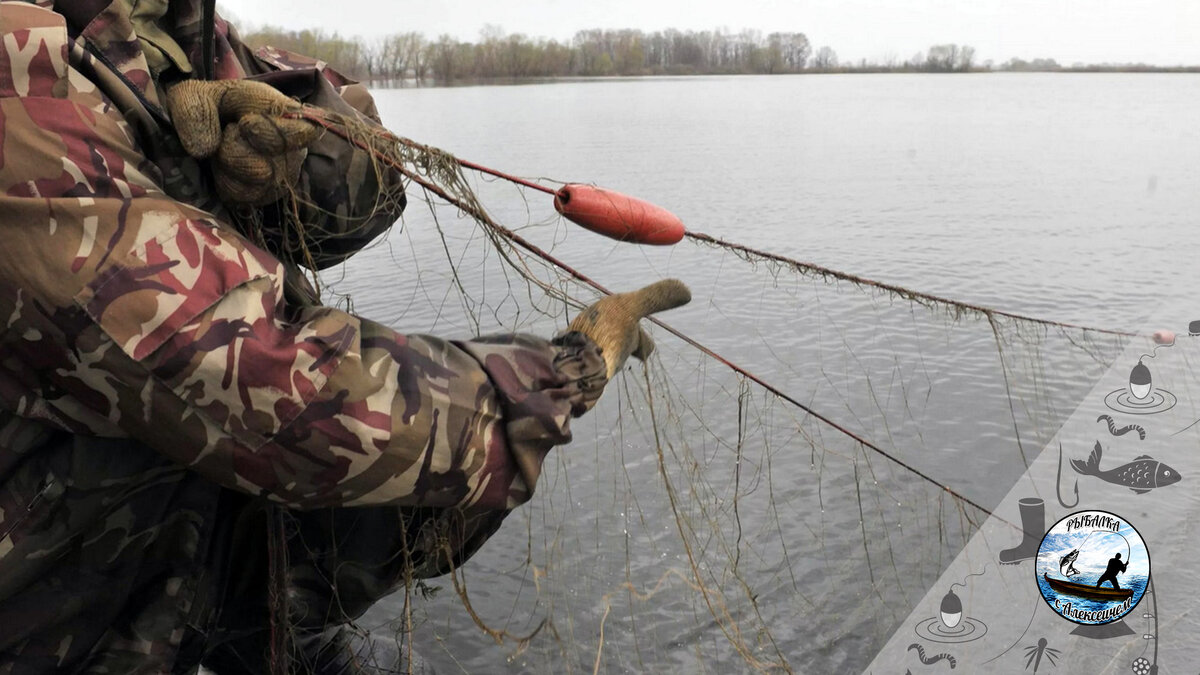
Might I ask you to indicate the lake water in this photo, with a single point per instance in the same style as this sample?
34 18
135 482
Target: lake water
1069 197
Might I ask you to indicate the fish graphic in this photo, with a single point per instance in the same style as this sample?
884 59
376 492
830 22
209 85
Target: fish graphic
1141 475
1066 565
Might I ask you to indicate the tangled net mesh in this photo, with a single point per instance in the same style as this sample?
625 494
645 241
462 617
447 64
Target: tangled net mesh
701 521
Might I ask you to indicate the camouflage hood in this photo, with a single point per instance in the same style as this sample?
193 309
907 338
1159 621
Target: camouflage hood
145 39
344 200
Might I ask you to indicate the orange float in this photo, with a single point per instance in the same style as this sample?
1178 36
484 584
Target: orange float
619 216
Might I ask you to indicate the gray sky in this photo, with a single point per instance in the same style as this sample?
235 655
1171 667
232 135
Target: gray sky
1162 32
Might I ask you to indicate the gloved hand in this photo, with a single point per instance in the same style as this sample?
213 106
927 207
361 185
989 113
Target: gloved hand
258 153
612 322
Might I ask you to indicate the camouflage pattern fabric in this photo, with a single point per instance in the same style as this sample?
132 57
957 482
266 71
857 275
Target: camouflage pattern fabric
151 368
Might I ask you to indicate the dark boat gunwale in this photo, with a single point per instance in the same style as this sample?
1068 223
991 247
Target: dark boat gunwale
1085 591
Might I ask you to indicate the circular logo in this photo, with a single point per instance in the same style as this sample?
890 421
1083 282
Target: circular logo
1092 567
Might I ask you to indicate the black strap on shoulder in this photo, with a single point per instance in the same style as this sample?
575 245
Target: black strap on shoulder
208 37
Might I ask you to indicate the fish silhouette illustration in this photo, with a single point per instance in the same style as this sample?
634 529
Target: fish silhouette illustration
1141 475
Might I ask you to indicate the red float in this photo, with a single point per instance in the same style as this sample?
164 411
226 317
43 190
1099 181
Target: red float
619 216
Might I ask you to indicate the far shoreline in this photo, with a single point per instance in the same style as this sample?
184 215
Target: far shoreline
411 83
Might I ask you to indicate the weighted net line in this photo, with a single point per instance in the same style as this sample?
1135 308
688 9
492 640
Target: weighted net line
472 207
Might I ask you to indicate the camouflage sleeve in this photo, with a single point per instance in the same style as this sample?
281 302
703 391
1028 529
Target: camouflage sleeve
124 312
326 409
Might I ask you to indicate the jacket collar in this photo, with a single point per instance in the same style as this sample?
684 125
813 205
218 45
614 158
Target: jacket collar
148 41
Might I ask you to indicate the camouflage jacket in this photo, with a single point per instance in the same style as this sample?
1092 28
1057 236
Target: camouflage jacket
149 360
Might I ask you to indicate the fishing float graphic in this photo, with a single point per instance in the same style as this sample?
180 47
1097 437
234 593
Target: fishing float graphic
951 626
1141 397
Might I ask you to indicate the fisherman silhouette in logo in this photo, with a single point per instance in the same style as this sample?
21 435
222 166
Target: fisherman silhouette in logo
1115 567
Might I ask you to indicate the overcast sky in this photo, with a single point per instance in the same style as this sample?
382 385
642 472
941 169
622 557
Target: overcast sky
1165 32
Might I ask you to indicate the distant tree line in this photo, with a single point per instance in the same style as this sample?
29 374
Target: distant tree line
412 57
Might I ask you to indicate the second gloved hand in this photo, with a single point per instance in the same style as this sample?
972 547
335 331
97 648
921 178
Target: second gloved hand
612 322
257 154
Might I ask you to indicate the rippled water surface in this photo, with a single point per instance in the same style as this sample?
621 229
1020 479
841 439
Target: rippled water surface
1072 197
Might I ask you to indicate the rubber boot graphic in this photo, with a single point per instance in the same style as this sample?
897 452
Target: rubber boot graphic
1033 522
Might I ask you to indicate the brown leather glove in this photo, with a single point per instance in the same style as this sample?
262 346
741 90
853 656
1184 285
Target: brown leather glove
258 154
612 322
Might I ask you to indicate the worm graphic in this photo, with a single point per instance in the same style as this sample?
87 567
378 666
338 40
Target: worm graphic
932 660
1112 428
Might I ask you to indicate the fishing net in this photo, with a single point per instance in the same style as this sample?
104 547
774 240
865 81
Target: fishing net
731 505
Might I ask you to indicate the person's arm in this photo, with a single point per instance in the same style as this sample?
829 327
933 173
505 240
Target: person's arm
324 408
183 342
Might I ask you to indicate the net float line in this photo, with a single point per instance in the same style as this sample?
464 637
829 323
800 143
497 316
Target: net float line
901 291
625 218
325 121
